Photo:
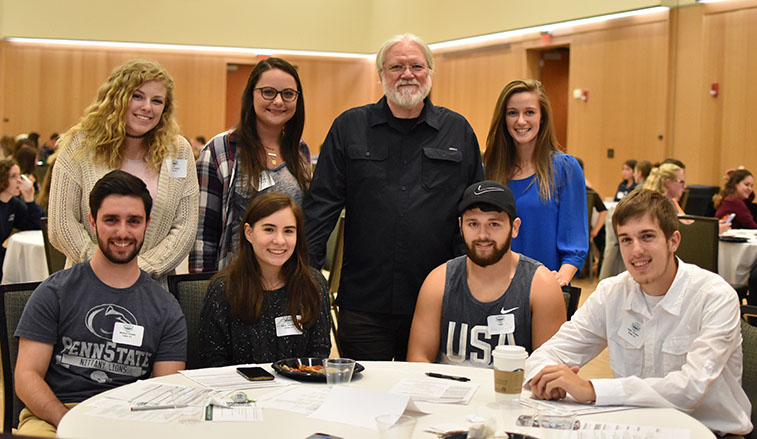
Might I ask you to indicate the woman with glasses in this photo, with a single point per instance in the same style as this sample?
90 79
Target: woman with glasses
667 179
130 126
263 153
549 186
17 207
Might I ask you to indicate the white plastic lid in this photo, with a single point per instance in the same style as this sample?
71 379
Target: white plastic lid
510 351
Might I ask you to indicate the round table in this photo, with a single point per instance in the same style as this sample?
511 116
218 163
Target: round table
377 376
25 259
736 259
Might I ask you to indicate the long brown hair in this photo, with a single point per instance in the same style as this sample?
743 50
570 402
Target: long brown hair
500 157
243 279
730 186
252 156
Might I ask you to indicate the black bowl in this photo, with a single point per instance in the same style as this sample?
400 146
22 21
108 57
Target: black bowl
306 376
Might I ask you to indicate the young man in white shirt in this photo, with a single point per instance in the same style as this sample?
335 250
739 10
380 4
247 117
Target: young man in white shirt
672 330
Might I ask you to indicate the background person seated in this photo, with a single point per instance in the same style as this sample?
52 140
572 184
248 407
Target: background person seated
102 323
16 213
672 330
460 297
268 304
737 192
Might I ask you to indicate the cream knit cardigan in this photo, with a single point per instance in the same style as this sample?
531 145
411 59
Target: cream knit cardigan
173 220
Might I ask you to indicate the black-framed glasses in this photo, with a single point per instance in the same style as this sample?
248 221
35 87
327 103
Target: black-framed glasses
269 94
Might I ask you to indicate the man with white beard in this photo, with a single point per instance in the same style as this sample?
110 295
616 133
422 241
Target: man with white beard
399 167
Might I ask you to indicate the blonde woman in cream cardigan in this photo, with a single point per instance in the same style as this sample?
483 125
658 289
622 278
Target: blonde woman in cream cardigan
130 126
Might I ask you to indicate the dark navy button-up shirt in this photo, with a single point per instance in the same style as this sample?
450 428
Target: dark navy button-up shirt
400 184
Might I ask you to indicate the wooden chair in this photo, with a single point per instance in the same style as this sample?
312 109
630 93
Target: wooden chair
699 241
571 295
190 290
12 306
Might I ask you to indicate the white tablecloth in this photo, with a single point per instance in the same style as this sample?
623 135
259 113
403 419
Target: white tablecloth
735 259
379 376
25 259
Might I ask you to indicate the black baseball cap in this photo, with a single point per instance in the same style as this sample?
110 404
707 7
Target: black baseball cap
489 192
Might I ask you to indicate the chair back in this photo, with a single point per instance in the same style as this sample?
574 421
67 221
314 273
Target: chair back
749 350
591 194
571 296
699 241
335 275
56 260
14 298
697 200
190 290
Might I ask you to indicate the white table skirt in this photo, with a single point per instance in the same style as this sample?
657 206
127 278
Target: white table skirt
25 259
735 259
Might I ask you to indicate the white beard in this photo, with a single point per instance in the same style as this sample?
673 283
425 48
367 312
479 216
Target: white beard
406 98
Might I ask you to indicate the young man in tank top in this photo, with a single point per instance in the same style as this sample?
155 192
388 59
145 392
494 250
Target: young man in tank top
492 295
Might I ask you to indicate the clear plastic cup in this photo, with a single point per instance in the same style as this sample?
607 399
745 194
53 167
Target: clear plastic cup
395 426
338 370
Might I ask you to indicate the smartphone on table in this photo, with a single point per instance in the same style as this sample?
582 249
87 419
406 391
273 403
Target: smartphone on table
255 373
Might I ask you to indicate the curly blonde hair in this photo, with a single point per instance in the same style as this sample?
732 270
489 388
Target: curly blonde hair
103 127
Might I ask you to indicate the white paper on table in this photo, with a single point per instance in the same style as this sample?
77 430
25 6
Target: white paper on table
236 413
420 389
360 407
227 378
145 393
117 409
434 391
568 405
596 430
298 399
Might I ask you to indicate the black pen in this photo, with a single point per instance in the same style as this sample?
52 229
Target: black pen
446 377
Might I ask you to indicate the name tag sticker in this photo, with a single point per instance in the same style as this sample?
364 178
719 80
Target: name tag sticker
126 333
501 324
632 331
285 326
265 181
177 168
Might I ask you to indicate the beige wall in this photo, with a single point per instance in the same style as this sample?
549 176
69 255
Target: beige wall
47 88
283 24
331 25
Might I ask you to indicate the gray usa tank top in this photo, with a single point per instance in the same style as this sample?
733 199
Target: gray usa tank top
465 334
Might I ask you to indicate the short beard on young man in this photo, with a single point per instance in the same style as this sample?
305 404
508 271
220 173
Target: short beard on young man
493 258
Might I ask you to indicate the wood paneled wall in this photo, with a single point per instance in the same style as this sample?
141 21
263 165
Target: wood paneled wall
46 89
648 80
624 69
717 43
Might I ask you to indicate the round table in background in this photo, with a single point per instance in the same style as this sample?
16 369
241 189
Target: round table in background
25 259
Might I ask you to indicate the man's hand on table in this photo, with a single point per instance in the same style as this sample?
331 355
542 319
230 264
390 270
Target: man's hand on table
554 382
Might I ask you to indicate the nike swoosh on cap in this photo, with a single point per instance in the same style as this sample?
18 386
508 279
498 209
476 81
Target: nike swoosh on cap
480 190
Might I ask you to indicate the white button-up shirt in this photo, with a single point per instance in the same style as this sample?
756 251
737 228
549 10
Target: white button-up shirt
684 353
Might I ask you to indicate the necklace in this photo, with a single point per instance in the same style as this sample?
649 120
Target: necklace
134 136
273 157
